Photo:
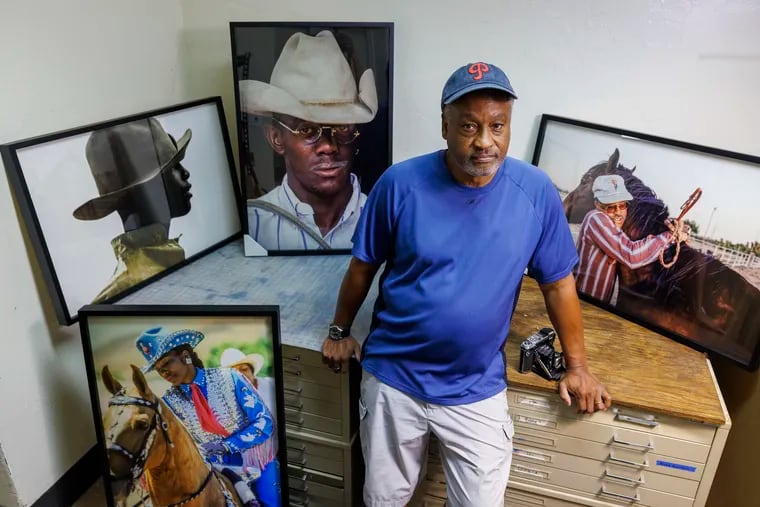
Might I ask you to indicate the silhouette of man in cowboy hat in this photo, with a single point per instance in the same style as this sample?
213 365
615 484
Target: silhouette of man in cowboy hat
315 108
137 171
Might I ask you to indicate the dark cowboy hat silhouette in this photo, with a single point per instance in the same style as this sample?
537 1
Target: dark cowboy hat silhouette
123 157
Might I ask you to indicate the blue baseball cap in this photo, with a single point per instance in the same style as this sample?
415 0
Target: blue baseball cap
475 76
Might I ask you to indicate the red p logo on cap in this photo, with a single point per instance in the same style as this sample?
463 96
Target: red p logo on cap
477 70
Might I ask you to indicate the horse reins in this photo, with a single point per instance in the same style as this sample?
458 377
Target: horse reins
137 462
678 236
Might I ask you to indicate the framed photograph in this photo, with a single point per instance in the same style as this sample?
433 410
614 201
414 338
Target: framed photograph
111 206
188 403
314 106
664 229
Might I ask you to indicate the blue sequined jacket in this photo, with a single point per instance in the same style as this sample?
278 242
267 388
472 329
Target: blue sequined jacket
252 440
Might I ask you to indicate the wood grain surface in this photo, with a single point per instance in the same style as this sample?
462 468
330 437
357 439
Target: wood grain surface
641 369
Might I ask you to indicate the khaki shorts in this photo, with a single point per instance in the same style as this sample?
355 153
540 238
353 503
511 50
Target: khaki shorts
476 446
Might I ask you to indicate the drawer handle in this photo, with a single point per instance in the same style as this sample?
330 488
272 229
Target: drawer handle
645 464
300 448
300 463
641 421
305 489
297 357
298 406
297 390
297 422
624 479
297 373
550 442
636 498
301 502
647 447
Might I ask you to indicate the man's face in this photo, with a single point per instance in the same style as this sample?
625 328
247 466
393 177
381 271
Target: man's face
321 169
477 132
177 189
247 372
617 211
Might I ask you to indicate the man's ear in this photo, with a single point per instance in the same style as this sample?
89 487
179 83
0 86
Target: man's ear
274 138
444 125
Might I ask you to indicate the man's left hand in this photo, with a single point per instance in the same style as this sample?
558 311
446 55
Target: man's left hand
582 385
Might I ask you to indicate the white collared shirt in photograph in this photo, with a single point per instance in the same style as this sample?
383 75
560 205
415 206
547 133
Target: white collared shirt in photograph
275 232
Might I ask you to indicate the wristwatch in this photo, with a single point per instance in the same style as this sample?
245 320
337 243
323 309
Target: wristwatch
337 332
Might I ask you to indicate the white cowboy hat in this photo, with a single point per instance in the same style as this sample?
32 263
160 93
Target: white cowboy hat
234 357
312 81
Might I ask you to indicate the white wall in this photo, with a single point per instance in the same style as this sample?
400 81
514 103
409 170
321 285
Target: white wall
681 69
676 68
64 64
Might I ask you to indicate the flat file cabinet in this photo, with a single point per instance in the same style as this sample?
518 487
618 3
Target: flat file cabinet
321 411
659 445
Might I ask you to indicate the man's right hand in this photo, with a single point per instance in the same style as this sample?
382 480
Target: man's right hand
336 353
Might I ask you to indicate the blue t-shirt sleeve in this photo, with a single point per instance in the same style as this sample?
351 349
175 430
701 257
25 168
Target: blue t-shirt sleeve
373 236
555 255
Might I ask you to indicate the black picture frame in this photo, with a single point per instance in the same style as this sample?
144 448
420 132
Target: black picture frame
709 298
256 47
109 334
143 207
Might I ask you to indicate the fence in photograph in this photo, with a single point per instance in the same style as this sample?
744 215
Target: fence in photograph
729 257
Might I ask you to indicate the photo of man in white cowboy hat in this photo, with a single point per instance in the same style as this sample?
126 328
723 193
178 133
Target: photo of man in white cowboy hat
250 365
138 173
311 112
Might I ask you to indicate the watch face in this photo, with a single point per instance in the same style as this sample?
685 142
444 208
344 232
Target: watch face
335 332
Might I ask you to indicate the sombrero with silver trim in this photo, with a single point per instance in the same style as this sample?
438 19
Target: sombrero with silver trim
154 343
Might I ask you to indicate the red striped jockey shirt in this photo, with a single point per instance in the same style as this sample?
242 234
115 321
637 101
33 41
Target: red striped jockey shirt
601 245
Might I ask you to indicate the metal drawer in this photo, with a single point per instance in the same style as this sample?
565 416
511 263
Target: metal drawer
634 458
517 498
605 490
299 403
315 456
432 493
307 487
300 388
608 434
302 421
620 417
297 355
608 471
318 374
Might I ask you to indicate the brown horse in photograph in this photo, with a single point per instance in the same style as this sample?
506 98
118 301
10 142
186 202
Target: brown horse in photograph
698 297
143 436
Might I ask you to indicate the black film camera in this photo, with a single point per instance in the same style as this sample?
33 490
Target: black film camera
537 354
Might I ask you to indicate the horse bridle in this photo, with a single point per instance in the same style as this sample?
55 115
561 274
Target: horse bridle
137 461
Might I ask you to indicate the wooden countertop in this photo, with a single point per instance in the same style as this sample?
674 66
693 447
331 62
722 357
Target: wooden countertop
641 369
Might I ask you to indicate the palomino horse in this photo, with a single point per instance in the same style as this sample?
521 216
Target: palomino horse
144 436
696 296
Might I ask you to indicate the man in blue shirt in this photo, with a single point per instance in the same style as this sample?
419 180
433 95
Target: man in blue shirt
456 230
